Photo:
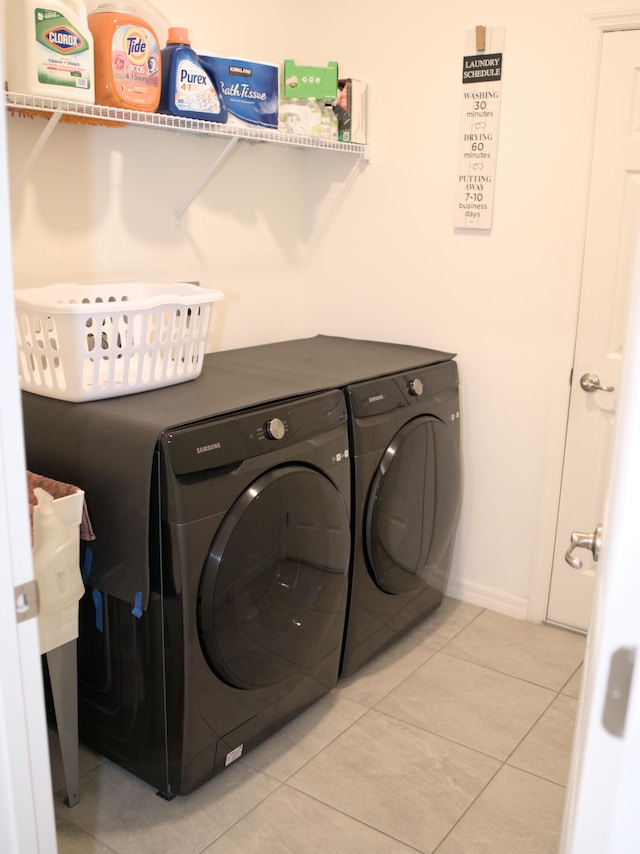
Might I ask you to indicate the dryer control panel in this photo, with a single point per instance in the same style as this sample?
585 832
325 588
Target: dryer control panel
390 393
227 440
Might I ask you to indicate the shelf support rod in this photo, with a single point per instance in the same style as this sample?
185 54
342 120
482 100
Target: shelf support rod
224 154
37 148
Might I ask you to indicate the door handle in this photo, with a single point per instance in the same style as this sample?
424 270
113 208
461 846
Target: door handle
593 542
591 382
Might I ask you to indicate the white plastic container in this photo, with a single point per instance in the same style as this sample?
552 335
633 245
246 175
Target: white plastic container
56 568
86 342
294 117
49 49
55 559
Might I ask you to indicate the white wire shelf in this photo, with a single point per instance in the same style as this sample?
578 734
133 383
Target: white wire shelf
110 115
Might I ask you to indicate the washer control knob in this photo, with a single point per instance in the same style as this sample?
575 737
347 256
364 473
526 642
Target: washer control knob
274 428
416 387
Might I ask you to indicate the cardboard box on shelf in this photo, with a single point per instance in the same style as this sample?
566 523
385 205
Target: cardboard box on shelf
351 109
309 81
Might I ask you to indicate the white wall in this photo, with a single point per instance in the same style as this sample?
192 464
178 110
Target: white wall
306 242
505 301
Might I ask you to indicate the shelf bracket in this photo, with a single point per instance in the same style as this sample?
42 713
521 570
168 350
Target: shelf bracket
37 148
224 154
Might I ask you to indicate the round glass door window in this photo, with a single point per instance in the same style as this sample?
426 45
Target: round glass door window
413 504
273 590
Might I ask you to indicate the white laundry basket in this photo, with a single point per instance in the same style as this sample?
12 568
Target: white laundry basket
87 342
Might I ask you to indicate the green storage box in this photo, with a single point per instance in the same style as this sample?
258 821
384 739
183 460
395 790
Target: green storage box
309 81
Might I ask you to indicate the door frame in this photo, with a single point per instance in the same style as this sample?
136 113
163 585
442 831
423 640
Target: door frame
597 25
27 822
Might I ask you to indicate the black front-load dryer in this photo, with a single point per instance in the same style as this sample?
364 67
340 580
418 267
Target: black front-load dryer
242 517
405 455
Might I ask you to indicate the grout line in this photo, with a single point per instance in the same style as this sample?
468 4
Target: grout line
483 790
531 728
423 644
439 735
241 818
569 680
500 672
407 845
431 652
464 813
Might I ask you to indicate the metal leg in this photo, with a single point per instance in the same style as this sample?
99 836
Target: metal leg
63 673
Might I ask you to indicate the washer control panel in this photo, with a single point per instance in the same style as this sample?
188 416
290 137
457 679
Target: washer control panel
275 429
416 387
228 440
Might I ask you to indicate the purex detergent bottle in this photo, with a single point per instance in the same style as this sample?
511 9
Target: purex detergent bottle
189 88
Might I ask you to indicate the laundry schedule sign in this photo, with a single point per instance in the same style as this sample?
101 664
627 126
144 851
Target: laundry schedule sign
479 127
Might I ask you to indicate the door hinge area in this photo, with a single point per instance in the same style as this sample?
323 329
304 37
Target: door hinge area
26 599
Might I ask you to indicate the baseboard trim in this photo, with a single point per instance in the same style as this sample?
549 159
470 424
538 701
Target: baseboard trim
489 597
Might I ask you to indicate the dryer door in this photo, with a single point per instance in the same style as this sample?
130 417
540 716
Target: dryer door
273 589
413 504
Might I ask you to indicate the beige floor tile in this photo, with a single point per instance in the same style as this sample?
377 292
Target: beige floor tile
289 822
127 816
546 751
381 675
370 684
73 840
469 704
445 623
292 747
545 655
401 780
516 814
572 688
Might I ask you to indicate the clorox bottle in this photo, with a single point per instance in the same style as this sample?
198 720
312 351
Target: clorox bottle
50 50
189 87
127 58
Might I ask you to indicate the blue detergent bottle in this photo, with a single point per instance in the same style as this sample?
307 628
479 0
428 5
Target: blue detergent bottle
188 89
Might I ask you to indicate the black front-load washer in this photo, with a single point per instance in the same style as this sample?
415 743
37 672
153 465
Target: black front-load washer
249 541
404 432
405 455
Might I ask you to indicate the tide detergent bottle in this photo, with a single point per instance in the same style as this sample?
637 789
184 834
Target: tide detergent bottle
50 50
189 88
127 59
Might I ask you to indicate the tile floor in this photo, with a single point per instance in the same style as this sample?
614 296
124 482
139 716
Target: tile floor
455 741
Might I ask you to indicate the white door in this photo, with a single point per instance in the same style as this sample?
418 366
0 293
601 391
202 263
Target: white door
601 810
27 821
612 218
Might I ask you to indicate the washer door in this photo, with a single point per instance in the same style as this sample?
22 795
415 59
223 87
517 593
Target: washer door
273 589
413 503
